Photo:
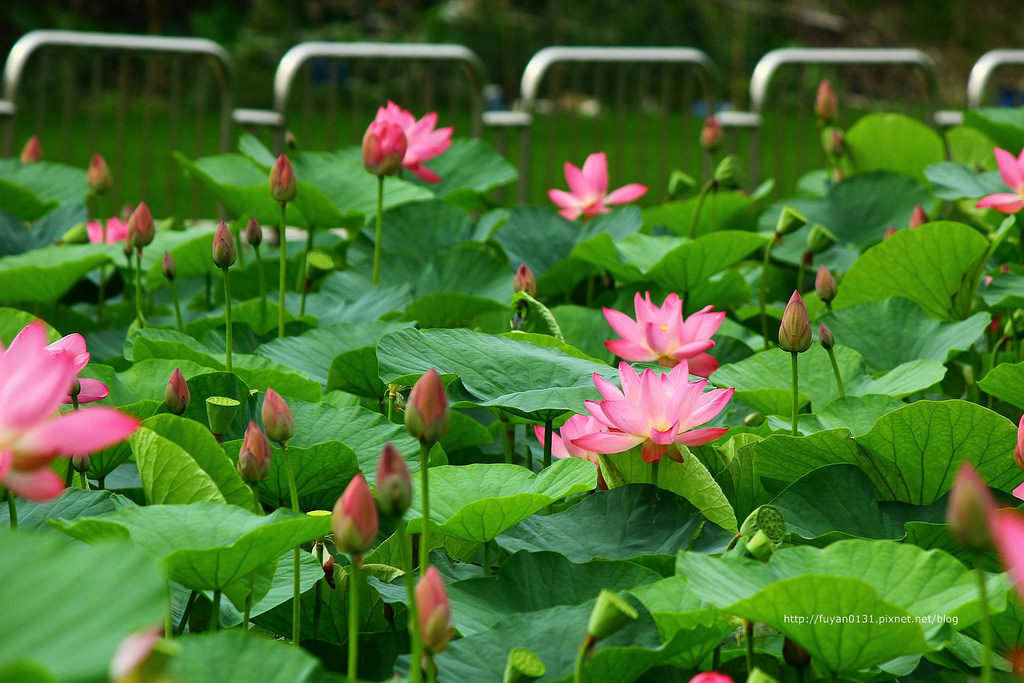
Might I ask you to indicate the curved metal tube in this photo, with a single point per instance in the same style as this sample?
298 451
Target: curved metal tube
981 72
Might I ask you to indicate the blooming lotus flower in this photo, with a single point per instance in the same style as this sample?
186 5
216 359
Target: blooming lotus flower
1011 170
34 380
117 230
661 334
384 147
654 411
423 143
435 611
562 445
72 346
588 189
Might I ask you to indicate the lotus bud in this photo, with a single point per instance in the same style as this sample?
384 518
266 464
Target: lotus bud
713 677
328 565
610 614
169 267
729 174
76 234
795 330
32 151
81 462
98 175
254 457
177 396
889 232
283 185
711 134
221 411
825 337
918 217
825 105
435 611
971 509
794 654
426 411
140 227
525 281
836 143
253 232
384 147
355 518
825 285
523 666
790 220
224 249
820 238
394 485
1018 451
277 418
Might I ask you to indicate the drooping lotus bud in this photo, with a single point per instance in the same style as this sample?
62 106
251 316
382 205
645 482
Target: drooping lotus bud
283 184
254 457
971 510
355 518
253 232
820 238
224 249
825 285
525 281
76 234
836 143
712 677
794 654
795 330
918 217
384 145
140 227
825 337
177 396
435 611
680 183
1018 451
729 174
169 267
825 105
220 412
98 175
610 614
426 411
523 666
32 151
711 134
790 220
394 486
81 462
328 565
277 417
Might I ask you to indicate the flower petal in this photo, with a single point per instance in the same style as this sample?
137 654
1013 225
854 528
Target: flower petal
595 172
699 437
1008 169
82 431
39 484
1003 202
577 181
607 442
626 194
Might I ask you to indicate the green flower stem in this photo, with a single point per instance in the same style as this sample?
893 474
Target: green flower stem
487 558
654 472
169 616
716 658
248 603
282 267
12 509
83 480
431 669
318 549
102 295
581 659
749 631
138 288
425 497
353 618
800 277
304 271
986 624
992 363
177 306
185 615
208 291
548 432
796 393
835 371
700 204
263 289
764 288
227 318
215 612
296 590
507 438
416 655
380 230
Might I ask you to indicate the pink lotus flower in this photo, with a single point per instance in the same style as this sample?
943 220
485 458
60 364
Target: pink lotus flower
661 334
117 230
588 189
423 143
1018 451
72 346
33 382
1008 534
435 611
711 677
1011 170
562 445
656 411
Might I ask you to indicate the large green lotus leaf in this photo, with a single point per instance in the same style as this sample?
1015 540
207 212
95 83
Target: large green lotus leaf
532 381
892 142
17 237
475 503
280 592
321 474
23 203
970 146
127 592
585 329
169 474
954 181
1006 382
1006 290
190 249
692 263
1003 125
469 166
937 266
45 275
71 503
689 479
47 180
895 331
420 229
623 523
209 384
629 259
764 381
13 321
240 656
721 211
207 545
857 413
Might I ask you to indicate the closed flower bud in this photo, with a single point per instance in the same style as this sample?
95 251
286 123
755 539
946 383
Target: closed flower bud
177 396
836 143
32 151
253 233
435 611
394 485
712 677
168 266
81 462
283 185
918 217
1018 451
729 174
971 509
277 418
354 520
711 134
98 175
610 614
825 337
825 285
224 249
384 146
140 227
426 411
820 238
889 232
790 220
525 281
825 105
795 330
254 457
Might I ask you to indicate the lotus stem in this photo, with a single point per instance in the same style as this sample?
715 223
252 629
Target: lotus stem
796 394
800 277
169 615
12 509
185 615
282 244
749 631
380 230
263 289
654 472
138 288
177 306
303 283
986 623
353 618
248 603
581 658
507 438
318 549
835 371
764 287
487 558
296 589
548 432
425 497
227 318
215 612
102 294
83 480
416 654
431 669
700 204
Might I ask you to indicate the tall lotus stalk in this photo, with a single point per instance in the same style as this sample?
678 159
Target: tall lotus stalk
140 234
610 614
828 341
426 418
170 271
283 188
384 147
254 236
253 466
789 222
224 254
355 525
795 337
100 182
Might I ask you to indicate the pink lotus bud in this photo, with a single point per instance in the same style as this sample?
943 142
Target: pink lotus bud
795 330
132 654
277 418
254 457
169 267
889 232
32 151
224 249
283 184
711 134
98 175
177 396
825 104
253 233
394 486
355 518
327 562
384 146
711 677
825 337
836 143
824 284
426 411
525 281
140 227
918 218
971 510
435 611
1018 452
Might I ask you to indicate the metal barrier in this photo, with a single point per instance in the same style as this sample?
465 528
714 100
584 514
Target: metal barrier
657 97
983 70
154 79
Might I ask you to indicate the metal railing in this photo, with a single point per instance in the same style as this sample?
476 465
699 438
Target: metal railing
983 71
155 80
